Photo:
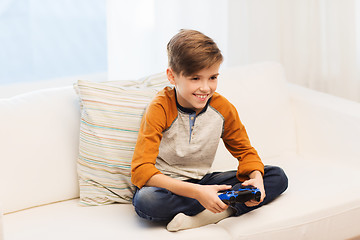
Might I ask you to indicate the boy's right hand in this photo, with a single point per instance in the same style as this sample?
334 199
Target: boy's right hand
207 195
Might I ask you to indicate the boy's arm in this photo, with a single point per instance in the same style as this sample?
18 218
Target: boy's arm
238 144
250 169
236 139
207 195
147 146
249 160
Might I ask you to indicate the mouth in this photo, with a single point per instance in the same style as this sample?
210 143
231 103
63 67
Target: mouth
201 97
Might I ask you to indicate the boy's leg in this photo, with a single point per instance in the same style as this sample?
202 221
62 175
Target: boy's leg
181 221
275 183
159 204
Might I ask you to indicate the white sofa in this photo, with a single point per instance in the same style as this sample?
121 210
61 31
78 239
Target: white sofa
313 136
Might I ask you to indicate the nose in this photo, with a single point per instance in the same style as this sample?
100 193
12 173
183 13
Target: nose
205 87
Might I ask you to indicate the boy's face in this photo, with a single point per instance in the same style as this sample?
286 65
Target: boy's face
194 91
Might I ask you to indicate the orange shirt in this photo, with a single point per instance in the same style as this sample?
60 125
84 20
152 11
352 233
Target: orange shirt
165 144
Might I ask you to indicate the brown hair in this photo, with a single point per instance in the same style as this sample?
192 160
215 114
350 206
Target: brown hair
190 51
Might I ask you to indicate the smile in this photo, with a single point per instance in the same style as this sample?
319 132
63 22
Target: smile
202 97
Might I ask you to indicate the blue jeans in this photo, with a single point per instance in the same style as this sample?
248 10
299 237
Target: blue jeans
159 204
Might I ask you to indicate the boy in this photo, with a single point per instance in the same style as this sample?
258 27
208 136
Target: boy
177 142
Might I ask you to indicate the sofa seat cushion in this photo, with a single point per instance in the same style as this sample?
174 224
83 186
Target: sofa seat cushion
323 194
308 209
68 220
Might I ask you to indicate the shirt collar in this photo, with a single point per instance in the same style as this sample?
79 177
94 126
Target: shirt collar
188 110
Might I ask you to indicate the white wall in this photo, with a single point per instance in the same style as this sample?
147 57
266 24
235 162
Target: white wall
139 30
317 41
253 31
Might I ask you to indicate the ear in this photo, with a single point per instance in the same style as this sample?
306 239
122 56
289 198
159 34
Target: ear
170 75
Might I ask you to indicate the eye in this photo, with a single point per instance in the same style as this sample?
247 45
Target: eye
195 78
213 77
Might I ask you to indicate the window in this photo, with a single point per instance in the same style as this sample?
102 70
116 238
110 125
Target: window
41 39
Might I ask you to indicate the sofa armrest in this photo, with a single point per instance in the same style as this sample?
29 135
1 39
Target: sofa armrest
326 125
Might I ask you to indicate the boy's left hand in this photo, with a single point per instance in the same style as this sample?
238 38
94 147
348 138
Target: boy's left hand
257 181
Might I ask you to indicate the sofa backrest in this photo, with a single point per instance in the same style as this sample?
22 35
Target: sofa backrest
259 93
39 134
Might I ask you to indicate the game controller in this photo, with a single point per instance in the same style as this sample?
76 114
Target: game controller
243 194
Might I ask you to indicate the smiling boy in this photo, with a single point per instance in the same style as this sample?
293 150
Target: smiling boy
178 139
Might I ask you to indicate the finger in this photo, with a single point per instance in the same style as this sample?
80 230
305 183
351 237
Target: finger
248 204
247 182
262 197
222 205
224 187
254 203
211 210
251 204
216 209
221 209
219 205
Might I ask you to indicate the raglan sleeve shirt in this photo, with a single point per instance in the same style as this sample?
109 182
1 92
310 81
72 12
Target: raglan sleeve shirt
158 117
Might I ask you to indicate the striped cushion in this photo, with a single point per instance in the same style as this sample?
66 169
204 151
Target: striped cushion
110 118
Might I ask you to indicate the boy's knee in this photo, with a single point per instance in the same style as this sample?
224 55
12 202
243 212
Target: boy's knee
277 175
283 179
149 203
146 196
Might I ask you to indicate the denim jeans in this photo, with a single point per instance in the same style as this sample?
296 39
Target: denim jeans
159 204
